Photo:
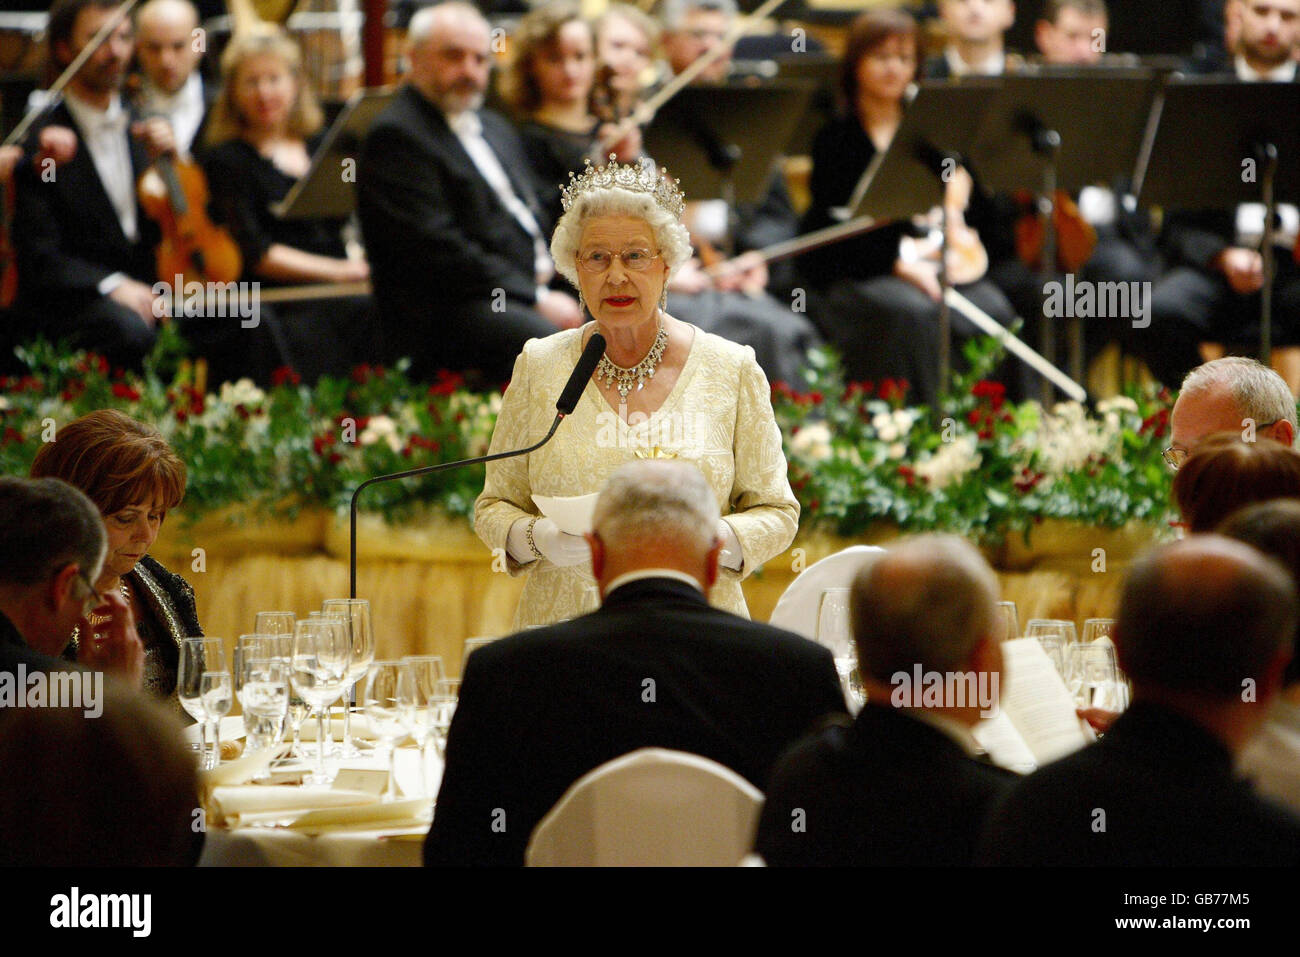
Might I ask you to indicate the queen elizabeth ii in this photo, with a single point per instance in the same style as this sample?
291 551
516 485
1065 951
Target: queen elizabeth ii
664 389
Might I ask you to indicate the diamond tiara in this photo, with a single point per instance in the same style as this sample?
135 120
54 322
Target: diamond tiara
644 177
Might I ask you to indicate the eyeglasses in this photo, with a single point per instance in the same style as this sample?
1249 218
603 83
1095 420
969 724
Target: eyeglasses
634 260
1175 457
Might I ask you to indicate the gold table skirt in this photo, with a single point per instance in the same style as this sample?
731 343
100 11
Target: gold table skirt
433 584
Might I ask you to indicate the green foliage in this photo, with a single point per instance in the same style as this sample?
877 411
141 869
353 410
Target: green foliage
858 454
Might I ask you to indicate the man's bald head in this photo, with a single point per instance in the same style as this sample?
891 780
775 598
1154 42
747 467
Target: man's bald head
165 42
1203 616
929 600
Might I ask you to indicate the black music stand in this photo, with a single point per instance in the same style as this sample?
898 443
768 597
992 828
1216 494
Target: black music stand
1063 129
937 131
323 192
1206 135
721 141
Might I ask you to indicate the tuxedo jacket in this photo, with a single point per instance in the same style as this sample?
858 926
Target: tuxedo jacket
886 790
66 231
14 651
1157 790
435 232
655 666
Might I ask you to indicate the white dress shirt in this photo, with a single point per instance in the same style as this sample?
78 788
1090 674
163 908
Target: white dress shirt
104 135
469 130
183 109
995 65
1284 73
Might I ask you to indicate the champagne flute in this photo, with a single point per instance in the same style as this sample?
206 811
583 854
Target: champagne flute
835 632
356 614
280 625
218 696
448 690
197 656
388 699
425 673
1010 620
274 623
322 652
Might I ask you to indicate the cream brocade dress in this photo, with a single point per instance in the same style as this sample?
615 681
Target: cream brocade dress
718 416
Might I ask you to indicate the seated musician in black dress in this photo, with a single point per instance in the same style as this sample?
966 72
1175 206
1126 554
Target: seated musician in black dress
549 87
259 141
881 304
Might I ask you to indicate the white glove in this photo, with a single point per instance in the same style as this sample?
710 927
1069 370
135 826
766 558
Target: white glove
560 548
731 556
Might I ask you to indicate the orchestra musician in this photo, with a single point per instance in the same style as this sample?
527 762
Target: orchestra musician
976 39
263 129
881 305
1212 291
84 247
169 50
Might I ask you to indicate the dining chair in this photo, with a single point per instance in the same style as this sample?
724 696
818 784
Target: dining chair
650 808
798 607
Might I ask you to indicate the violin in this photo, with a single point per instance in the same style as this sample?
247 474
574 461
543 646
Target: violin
1075 237
174 194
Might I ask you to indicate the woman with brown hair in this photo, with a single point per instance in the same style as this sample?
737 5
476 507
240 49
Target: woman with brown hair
548 86
1225 473
882 288
127 469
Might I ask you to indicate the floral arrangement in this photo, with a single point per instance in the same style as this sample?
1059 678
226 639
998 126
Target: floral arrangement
978 466
859 456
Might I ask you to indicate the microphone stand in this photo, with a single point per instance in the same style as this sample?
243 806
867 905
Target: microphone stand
427 470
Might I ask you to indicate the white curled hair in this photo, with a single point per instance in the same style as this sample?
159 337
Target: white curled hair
1259 392
671 236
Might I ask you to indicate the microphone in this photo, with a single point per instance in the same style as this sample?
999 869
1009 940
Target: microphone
565 405
591 355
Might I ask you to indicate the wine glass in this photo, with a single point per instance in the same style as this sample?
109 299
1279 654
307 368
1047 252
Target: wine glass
322 652
274 623
422 693
1095 628
355 613
1055 635
196 656
1100 684
389 702
1009 620
448 690
218 696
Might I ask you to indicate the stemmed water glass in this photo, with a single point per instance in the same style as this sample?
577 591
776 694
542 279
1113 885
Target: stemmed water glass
355 613
322 652
1094 677
197 655
425 671
389 703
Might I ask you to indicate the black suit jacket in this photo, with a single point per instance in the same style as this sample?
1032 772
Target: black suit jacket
887 790
655 666
14 651
436 234
66 231
1163 789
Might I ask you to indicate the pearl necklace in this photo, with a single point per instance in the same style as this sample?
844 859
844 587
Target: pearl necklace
640 373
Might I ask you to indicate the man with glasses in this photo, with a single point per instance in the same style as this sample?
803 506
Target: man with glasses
1232 394
52 544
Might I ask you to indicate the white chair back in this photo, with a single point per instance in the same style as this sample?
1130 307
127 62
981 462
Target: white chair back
650 808
799 605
